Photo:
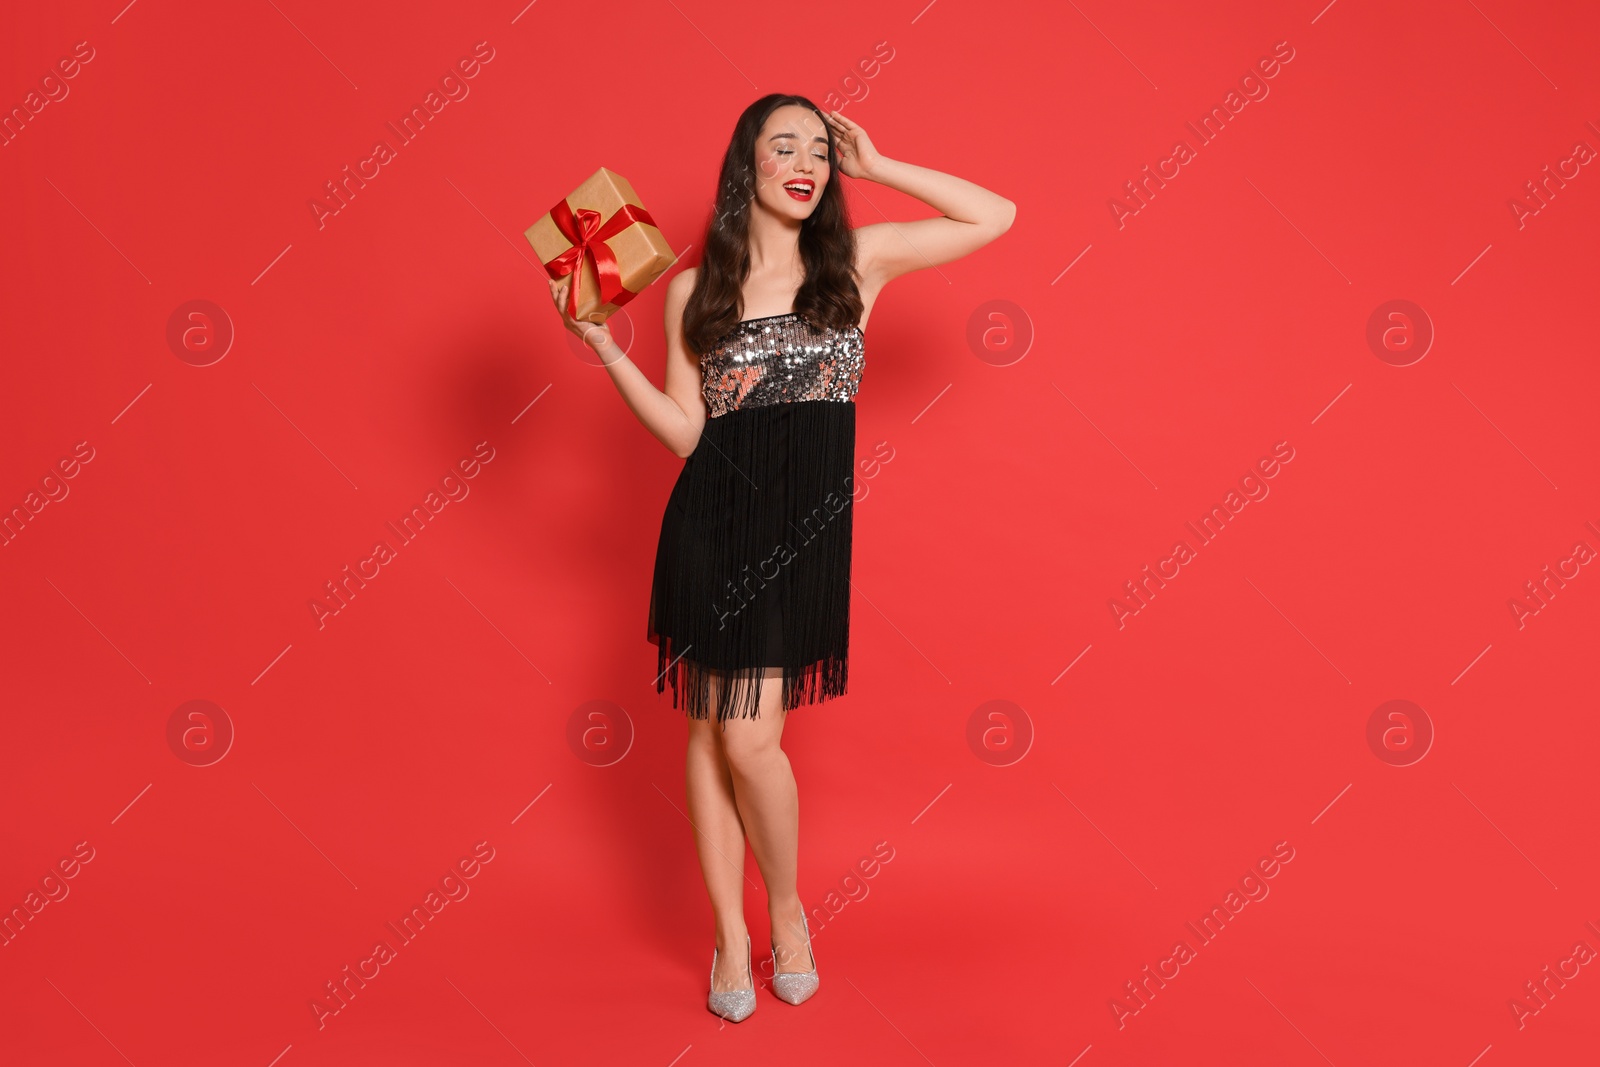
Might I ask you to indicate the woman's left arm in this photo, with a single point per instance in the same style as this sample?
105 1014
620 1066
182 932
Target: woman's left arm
971 216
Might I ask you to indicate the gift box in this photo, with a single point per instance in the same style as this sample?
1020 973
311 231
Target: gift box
602 238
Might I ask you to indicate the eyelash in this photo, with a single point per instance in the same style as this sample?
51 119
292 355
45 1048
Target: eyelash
790 152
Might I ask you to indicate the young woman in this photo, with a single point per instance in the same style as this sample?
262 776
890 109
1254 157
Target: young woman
750 603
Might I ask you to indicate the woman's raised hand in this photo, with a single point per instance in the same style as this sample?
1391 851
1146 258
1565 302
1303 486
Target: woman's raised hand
593 334
857 156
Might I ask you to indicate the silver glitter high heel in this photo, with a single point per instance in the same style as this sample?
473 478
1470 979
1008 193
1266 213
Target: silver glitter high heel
796 987
736 1004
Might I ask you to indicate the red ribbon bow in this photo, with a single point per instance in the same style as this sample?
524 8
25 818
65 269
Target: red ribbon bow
588 236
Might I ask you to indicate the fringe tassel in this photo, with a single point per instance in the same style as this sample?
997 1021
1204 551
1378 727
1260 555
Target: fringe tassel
753 564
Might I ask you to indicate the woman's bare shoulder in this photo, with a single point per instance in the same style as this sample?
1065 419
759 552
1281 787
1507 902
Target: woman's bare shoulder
683 281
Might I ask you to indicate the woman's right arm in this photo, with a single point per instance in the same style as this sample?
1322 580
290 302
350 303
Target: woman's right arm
675 416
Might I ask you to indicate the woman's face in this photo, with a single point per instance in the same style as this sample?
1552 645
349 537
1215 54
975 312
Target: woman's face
791 162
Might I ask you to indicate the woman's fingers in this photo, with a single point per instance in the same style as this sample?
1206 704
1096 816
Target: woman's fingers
558 291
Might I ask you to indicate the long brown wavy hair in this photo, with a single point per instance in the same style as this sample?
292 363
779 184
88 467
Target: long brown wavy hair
827 297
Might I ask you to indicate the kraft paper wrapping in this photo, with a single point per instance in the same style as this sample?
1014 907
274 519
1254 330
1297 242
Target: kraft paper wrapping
641 250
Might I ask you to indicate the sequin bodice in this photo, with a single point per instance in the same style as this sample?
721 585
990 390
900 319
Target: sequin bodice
781 359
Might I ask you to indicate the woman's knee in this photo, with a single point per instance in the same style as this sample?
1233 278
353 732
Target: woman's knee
748 744
703 735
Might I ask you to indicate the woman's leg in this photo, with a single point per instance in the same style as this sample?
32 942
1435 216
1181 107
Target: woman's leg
769 806
719 840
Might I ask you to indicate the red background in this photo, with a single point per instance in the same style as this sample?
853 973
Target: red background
373 352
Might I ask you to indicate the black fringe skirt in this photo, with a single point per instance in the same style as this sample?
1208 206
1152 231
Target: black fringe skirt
753 565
